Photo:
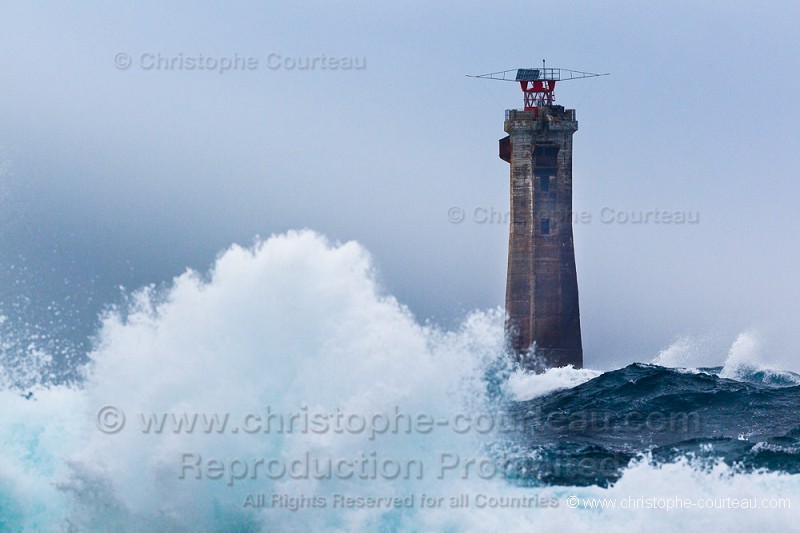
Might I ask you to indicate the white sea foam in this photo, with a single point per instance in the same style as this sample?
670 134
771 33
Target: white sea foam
524 385
682 353
295 322
744 356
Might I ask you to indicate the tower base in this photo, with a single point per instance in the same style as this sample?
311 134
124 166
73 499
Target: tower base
540 359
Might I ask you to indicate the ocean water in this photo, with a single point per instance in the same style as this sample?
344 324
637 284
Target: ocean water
284 390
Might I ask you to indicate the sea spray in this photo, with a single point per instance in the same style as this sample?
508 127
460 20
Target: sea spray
295 322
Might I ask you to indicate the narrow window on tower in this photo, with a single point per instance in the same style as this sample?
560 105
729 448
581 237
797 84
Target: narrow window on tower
545 226
544 183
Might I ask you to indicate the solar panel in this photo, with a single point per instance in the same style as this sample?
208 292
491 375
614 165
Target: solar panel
527 74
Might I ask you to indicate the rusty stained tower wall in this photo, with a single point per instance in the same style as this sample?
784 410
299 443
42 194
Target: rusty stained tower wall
542 285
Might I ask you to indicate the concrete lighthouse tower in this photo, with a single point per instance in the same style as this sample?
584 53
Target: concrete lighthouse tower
543 326
542 283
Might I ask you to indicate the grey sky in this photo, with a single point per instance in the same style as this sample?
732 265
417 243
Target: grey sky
126 176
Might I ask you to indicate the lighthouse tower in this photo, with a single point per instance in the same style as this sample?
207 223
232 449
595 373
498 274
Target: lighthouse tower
542 282
543 327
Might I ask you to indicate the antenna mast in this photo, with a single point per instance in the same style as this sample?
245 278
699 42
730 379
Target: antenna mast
538 85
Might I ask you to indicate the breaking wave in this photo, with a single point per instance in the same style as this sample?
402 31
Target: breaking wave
296 326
